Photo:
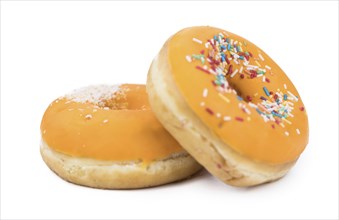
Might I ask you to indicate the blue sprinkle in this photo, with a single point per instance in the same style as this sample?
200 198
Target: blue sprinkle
239 98
223 47
238 48
215 38
266 91
241 57
285 97
227 40
260 112
229 47
277 114
223 59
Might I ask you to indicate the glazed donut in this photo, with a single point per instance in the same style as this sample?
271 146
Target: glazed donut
229 105
108 137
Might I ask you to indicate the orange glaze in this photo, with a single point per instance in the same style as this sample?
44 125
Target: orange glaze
271 142
117 135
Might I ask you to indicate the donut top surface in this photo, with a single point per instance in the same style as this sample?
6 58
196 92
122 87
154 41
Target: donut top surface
112 123
240 93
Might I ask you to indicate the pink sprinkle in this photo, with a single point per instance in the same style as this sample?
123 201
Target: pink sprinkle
302 108
202 69
209 111
239 119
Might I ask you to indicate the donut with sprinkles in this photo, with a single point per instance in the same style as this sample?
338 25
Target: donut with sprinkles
245 121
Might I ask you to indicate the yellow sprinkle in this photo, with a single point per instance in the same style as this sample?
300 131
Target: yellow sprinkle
287 121
258 63
248 118
224 98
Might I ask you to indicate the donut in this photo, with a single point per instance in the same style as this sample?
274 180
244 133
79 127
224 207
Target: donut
229 105
108 137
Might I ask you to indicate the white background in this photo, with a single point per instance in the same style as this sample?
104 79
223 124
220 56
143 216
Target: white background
50 48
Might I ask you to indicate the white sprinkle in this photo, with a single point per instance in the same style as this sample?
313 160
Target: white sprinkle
227 118
106 108
197 40
290 114
241 68
225 33
229 58
297 130
202 103
282 125
105 121
293 96
218 115
252 66
206 44
205 93
189 59
267 67
257 63
235 72
261 57
285 86
56 101
264 78
286 133
89 116
287 121
252 105
235 42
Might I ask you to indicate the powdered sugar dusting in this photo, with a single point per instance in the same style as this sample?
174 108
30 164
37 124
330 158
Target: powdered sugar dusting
96 94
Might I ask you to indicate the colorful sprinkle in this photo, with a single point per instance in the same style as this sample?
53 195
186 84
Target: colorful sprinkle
205 93
209 111
224 98
235 72
227 118
202 69
261 57
189 59
286 133
267 67
266 91
239 119
197 40
89 116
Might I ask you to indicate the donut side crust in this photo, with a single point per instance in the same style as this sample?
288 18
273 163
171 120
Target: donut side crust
216 156
118 175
